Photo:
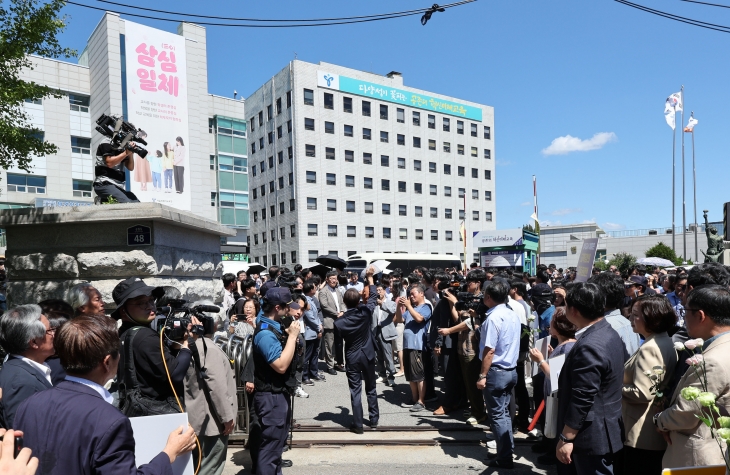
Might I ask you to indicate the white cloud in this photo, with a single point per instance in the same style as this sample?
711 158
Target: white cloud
589 221
613 226
547 222
564 211
568 144
503 163
526 203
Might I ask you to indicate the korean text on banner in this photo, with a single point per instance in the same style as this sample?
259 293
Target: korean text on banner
586 259
157 102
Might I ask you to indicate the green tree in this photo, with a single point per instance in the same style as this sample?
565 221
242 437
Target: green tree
528 227
665 252
622 261
26 27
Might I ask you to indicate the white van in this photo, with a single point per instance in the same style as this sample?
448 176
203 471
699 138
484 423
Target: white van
403 261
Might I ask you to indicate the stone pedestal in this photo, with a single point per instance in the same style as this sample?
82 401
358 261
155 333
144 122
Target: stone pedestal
51 249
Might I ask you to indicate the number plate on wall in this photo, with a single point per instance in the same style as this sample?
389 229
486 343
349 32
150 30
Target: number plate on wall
139 236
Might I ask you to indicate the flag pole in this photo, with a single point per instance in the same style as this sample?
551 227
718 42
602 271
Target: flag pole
674 180
694 189
466 267
684 204
537 221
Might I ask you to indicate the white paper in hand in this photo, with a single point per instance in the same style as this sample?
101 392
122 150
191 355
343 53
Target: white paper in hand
556 366
542 345
378 266
150 437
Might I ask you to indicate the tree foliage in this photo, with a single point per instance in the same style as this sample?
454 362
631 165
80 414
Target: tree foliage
26 27
665 252
623 261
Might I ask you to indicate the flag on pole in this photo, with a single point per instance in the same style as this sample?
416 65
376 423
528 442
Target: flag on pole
462 232
672 105
691 124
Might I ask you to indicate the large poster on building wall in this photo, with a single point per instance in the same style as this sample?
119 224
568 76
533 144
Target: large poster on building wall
157 102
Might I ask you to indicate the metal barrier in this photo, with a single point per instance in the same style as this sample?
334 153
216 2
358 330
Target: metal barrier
238 350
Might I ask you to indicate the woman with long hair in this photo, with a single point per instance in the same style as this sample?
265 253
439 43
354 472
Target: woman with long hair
179 165
167 165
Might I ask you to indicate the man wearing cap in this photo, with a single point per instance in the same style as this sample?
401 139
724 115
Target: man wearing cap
274 378
635 287
142 355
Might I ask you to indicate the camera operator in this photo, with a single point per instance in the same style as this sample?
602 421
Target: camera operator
470 313
445 315
110 176
275 342
143 369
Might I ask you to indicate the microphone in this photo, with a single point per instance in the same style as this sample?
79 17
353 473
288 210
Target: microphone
207 308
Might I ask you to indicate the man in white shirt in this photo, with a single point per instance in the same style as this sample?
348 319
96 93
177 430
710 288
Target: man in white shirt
229 286
354 284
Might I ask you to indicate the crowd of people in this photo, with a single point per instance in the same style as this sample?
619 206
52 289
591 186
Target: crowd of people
475 328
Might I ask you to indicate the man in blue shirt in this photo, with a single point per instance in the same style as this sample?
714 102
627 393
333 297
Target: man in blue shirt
274 377
414 312
499 348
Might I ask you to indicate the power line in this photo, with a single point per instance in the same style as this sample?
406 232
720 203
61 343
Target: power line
709 4
385 16
671 16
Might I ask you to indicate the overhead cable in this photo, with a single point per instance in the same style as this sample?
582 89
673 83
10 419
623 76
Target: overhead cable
671 16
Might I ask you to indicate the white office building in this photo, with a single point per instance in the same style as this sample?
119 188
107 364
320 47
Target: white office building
343 161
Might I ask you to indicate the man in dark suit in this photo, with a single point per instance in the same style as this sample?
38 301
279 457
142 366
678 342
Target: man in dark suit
590 383
84 433
354 326
27 336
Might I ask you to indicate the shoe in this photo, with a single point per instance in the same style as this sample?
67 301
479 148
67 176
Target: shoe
547 459
332 371
300 393
380 380
417 407
373 425
319 379
285 463
389 382
340 367
308 382
440 411
399 374
492 444
474 421
356 430
501 464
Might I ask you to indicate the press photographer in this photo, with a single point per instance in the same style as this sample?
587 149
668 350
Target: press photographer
149 368
113 157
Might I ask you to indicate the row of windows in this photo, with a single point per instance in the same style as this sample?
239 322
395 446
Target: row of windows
313 254
272 233
280 159
37 185
331 179
272 211
351 232
272 186
386 208
77 102
270 136
270 112
329 152
366 110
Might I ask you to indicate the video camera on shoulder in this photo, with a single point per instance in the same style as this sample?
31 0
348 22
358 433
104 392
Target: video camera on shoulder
122 133
177 316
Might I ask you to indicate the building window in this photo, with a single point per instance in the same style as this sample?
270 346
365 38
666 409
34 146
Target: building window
416 142
312 255
366 108
288 126
261 143
294 257
282 233
401 115
256 239
347 104
329 153
385 207
283 258
487 196
331 205
434 235
366 135
385 185
369 232
474 152
431 121
308 124
462 192
212 162
263 190
447 147
462 214
329 127
263 213
447 169
351 231
293 233
253 124
402 186
384 161
386 233
461 171
401 162
487 216
447 191
332 230
475 194
383 112
280 157
402 210
368 207
349 156
487 132
432 190
487 174
367 183
473 130
447 213
447 124
419 234
265 262
309 150
272 210
82 189
487 154
278 106
329 101
418 211
261 117
403 233
292 205
384 137
81 145
308 97
417 188
269 112
311 229
273 235
431 144
271 162
253 147
367 158
349 181
255 217
349 132
27 184
417 165
475 215
311 176
290 151
401 140
291 178
460 127
255 193
475 173
77 102
432 167
449 235
288 105
460 149
311 203
416 118
434 212
331 179
350 206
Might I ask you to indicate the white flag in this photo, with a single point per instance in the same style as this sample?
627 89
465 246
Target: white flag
673 104
691 124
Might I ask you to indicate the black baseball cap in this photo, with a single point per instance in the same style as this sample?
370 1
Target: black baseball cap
131 288
278 296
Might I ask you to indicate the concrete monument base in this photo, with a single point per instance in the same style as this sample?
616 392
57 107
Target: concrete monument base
51 249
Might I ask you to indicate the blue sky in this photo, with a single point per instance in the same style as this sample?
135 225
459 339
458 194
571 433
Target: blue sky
549 68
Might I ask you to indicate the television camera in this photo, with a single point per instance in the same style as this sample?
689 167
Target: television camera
465 300
176 316
122 133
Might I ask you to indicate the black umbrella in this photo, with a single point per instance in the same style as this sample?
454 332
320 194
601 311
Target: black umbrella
332 261
318 269
255 268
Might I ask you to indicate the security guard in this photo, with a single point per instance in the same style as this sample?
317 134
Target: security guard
275 342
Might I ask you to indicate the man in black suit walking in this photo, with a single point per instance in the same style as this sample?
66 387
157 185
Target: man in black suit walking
354 326
589 392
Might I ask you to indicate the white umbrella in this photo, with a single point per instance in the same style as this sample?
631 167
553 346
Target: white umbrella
655 261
